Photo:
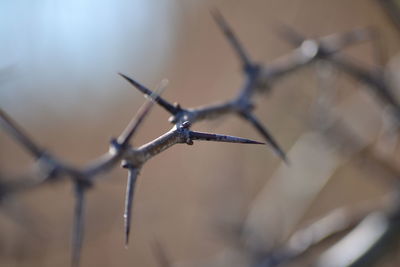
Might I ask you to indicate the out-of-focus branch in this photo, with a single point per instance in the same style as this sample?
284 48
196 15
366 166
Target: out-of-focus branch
374 80
335 131
19 135
392 8
326 49
329 226
373 238
233 40
368 156
82 177
257 79
160 255
377 232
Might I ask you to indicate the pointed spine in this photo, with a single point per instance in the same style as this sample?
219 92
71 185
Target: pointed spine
78 226
231 36
162 102
220 138
120 145
265 133
138 119
19 135
130 190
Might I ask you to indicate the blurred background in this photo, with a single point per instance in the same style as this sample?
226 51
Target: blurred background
206 205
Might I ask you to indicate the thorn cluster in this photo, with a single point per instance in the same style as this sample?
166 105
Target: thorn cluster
258 78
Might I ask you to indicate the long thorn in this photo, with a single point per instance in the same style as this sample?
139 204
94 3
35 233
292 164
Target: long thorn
19 135
265 133
107 161
162 102
233 40
130 190
221 138
78 227
134 124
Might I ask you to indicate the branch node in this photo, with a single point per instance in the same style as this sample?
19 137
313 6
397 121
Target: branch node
310 48
115 146
186 124
189 141
177 106
83 182
127 165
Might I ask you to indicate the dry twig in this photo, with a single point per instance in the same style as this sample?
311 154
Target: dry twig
258 78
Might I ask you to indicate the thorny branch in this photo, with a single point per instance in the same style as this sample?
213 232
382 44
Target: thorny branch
82 178
258 78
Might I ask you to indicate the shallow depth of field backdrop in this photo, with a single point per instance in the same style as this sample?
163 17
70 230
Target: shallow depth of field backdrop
58 78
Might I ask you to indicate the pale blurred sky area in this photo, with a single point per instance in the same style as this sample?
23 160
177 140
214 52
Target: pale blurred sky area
55 54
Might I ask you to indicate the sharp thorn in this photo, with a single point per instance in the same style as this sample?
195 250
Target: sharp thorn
220 138
267 136
162 102
78 227
232 38
19 135
134 124
130 189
